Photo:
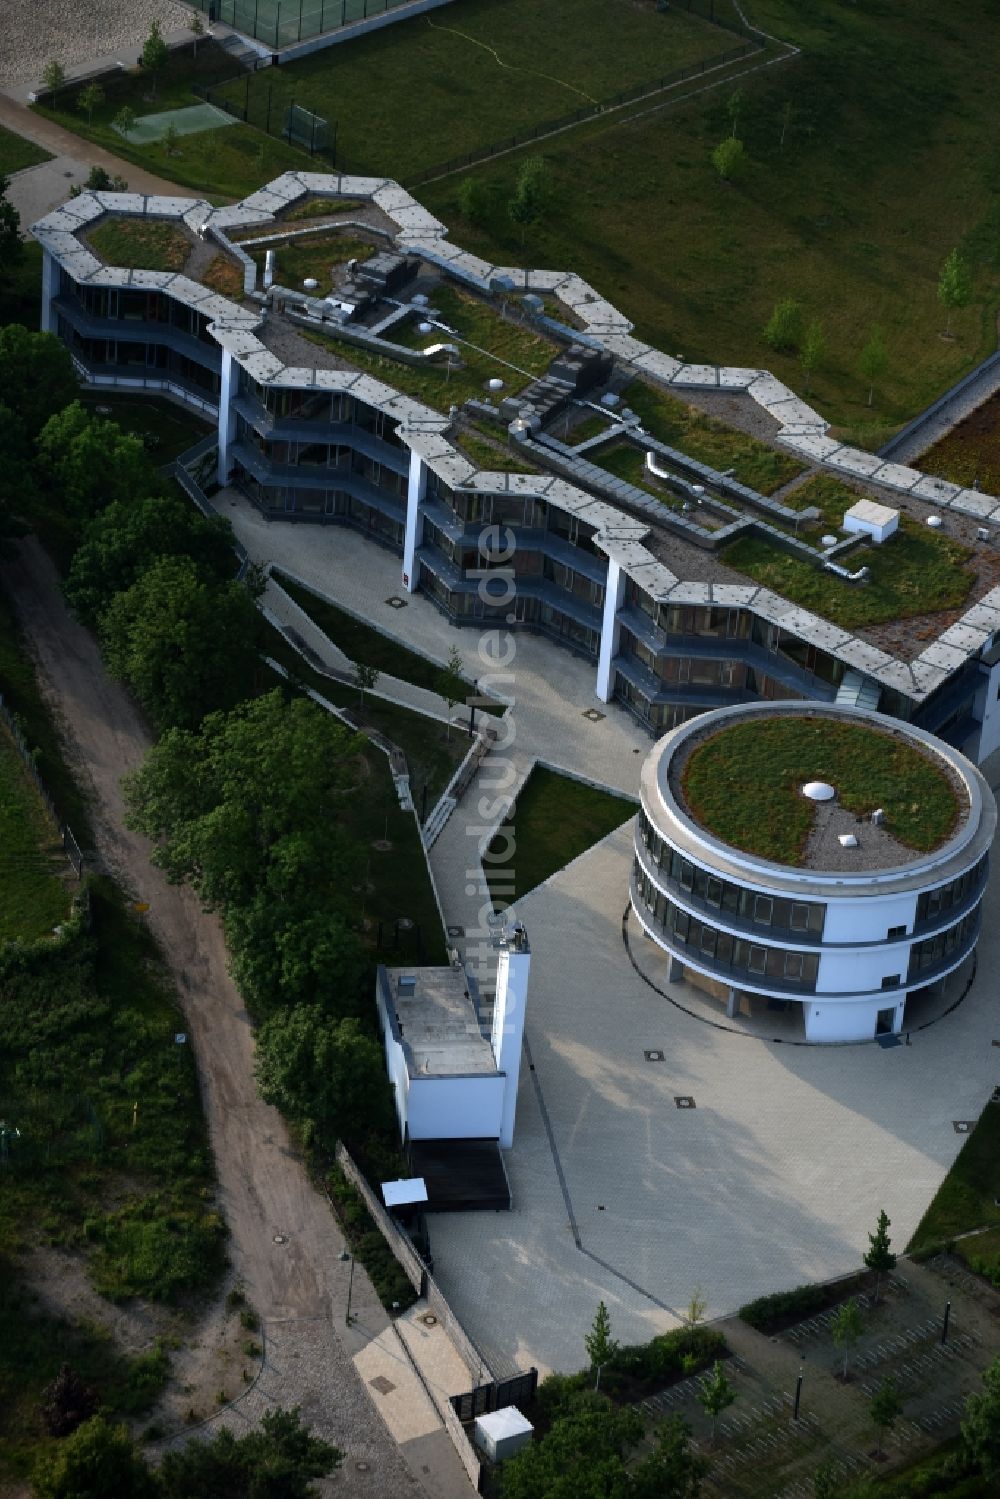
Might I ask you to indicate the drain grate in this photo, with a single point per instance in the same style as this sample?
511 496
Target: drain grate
963 1126
383 1385
685 1101
654 1056
456 931
395 602
594 715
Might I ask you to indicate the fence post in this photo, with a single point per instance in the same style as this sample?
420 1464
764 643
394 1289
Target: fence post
246 99
267 126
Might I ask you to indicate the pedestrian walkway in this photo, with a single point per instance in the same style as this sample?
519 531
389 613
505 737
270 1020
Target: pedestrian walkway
63 143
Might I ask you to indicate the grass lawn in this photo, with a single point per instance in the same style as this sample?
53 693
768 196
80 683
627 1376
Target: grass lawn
743 784
554 820
315 256
34 894
912 573
966 1198
970 453
17 153
364 644
222 164
143 244
858 238
486 68
166 429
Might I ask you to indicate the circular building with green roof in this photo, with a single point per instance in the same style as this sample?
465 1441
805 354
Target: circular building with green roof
808 854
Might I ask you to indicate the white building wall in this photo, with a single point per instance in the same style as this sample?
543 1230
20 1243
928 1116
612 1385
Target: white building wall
849 1022
867 917
861 970
507 1040
987 709
456 1108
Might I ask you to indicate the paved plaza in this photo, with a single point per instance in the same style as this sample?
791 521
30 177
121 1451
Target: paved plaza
773 1178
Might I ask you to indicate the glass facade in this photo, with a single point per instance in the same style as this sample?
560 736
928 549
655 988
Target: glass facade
733 959
937 952
933 904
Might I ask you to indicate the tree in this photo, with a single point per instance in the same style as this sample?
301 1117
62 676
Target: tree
36 376
326 1075
884 1410
98 181
90 98
530 195
155 54
275 1462
255 792
954 284
813 351
694 1312
128 536
846 1329
284 952
981 1426
880 1257
473 200
582 1456
451 684
783 330
184 644
97 1460
672 1471
828 1481
874 360
196 26
89 462
729 158
124 121
600 1345
715 1393
66 1403
53 76
734 105
170 139
366 677
11 244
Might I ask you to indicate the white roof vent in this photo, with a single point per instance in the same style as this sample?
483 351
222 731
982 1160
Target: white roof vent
818 791
935 522
847 840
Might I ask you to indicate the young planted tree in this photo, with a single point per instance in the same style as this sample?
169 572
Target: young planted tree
729 158
884 1410
89 99
155 54
981 1426
366 677
53 76
715 1394
124 121
783 330
813 352
694 1312
846 1329
196 26
530 195
873 360
600 1345
451 685
954 285
170 139
880 1257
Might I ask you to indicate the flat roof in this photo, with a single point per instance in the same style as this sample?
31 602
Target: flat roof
438 1024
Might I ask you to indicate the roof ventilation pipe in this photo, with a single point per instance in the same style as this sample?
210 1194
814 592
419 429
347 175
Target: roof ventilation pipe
268 270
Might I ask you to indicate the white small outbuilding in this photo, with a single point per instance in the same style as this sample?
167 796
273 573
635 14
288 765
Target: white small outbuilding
502 1433
868 518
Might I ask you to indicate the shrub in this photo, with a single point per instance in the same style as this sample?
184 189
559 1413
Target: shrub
768 1313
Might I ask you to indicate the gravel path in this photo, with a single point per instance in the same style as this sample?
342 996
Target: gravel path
34 31
284 1241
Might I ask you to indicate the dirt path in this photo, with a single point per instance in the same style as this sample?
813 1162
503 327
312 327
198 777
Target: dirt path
299 1286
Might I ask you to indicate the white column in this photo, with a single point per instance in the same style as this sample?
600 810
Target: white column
50 288
513 967
227 413
986 708
414 519
614 597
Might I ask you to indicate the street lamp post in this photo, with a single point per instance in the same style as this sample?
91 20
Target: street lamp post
346 1256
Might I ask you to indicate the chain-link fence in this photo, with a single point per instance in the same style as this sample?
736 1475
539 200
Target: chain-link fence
71 847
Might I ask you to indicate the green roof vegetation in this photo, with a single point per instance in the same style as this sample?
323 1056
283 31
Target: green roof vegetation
295 259
555 819
313 207
140 244
629 463
970 454
490 454
744 783
830 496
224 276
914 572
472 319
591 426
710 441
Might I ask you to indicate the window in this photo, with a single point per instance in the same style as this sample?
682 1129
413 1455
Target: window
763 909
713 891
891 981
799 919
757 961
896 931
793 965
